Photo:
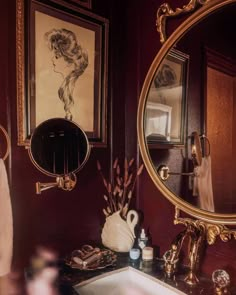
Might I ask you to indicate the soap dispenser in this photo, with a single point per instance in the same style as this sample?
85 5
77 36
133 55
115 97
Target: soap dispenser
143 239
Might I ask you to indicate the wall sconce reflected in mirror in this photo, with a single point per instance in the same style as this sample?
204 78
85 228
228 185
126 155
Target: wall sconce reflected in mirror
164 172
59 148
198 150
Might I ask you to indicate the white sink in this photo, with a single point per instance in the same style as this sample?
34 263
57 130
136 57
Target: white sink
125 281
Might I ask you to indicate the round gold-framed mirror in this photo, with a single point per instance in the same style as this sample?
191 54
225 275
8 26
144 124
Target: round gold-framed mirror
166 146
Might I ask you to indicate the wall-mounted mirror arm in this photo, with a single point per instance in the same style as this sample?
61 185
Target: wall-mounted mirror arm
66 183
44 186
164 172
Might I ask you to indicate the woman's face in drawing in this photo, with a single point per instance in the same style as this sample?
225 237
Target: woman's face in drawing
60 65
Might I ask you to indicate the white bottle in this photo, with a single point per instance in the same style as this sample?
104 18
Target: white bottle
142 240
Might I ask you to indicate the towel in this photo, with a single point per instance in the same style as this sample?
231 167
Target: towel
202 185
6 223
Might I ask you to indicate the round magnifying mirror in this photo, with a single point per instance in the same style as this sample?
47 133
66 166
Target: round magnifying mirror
59 147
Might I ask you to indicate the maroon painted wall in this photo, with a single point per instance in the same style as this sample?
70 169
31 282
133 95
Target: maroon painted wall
67 220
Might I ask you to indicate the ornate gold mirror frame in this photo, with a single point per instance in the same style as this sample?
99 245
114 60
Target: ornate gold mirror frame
165 11
209 225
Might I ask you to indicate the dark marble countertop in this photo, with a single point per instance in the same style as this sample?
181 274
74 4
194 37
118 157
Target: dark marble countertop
70 277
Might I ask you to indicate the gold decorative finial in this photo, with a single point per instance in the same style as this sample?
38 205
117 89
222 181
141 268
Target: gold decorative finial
165 11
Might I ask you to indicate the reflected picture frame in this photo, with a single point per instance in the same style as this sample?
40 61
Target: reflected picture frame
51 81
85 3
165 114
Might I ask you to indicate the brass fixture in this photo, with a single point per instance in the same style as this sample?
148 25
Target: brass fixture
170 264
171 257
66 183
165 11
196 153
212 231
164 172
195 232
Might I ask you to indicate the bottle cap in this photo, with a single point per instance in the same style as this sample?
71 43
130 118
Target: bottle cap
143 235
134 253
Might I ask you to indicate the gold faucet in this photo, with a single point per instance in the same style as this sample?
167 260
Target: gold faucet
196 237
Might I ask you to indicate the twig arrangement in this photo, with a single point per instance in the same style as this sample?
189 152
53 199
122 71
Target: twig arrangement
120 188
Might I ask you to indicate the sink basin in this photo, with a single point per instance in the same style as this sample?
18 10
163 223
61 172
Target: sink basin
125 281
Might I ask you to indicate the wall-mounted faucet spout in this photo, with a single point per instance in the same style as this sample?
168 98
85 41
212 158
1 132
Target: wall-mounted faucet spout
195 235
196 239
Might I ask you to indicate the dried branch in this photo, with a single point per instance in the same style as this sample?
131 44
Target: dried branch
100 171
140 170
126 174
105 212
120 189
131 162
115 163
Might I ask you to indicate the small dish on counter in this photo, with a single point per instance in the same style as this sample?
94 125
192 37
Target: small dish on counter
91 258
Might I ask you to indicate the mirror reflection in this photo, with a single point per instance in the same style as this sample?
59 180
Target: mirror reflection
59 147
166 102
210 111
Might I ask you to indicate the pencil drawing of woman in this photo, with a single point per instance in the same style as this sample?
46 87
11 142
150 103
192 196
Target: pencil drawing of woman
69 60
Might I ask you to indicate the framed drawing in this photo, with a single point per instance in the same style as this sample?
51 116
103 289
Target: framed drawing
165 114
61 68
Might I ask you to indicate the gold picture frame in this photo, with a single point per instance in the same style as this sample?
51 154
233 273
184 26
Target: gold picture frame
46 88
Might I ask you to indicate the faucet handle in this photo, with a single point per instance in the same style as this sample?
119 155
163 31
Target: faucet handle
169 256
170 262
221 280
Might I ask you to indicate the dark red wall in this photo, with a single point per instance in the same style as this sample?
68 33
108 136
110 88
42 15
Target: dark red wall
67 220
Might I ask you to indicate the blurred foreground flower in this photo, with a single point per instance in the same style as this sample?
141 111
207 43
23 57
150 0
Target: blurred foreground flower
45 273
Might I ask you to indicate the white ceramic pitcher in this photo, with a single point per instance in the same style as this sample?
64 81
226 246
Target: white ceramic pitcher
118 234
